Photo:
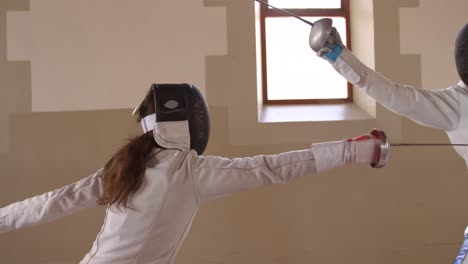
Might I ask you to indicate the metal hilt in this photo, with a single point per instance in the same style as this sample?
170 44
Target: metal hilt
384 147
320 33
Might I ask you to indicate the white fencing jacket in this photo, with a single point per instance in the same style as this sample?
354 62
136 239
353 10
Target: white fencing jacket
176 183
444 109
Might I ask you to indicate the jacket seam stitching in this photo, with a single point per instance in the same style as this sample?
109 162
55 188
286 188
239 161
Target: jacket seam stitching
261 166
99 236
181 236
195 184
151 227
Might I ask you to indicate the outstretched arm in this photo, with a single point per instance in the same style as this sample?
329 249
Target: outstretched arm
52 205
438 109
216 176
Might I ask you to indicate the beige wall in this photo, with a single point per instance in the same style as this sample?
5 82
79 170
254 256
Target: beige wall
422 27
362 39
112 49
15 77
408 212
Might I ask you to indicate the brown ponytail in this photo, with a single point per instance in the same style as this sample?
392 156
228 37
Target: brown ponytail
124 172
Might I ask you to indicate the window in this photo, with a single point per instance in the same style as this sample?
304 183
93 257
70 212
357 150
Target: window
291 72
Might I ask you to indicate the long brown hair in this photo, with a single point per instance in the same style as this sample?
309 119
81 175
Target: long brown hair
123 173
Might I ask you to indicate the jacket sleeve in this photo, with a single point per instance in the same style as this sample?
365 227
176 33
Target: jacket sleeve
215 177
52 205
437 109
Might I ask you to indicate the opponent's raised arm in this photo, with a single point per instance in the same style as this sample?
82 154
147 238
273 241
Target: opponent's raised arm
438 109
52 205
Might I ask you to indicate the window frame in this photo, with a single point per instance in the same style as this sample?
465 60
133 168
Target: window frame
266 12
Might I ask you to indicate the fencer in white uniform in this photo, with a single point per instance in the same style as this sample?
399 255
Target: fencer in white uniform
177 180
445 109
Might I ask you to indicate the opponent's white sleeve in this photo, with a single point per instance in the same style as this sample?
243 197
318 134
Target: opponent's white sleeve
438 109
52 205
215 177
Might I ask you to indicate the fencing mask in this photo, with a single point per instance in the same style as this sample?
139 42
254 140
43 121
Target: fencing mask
181 119
461 54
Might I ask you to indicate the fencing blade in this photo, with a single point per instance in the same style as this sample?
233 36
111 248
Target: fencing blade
320 30
427 145
286 12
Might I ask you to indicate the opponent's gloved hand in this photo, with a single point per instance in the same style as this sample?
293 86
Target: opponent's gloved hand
332 48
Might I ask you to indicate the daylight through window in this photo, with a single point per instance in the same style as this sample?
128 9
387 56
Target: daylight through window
292 73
